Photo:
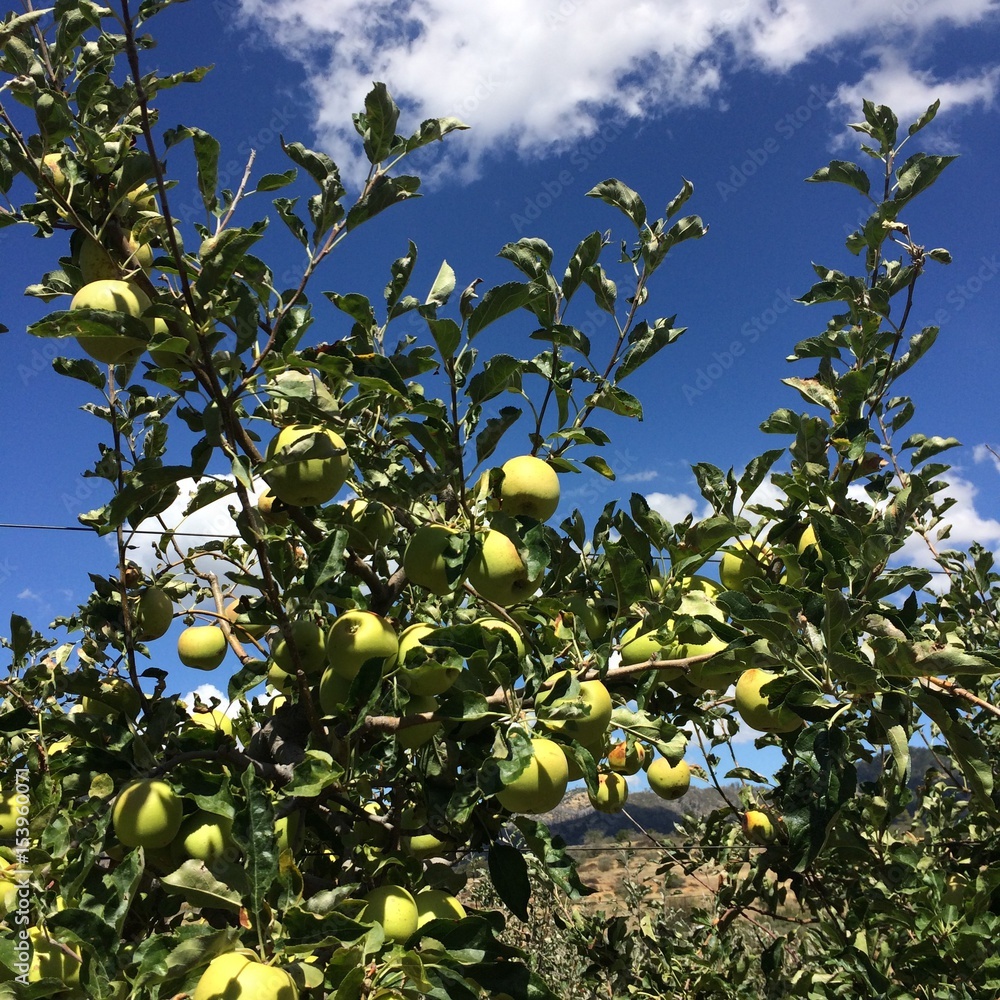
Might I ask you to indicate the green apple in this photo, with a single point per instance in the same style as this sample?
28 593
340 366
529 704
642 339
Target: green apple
111 295
436 904
424 559
596 750
669 781
205 836
626 759
50 961
394 908
758 828
593 617
116 696
586 729
314 472
308 640
499 573
530 488
213 720
424 845
202 647
611 794
10 809
749 562
541 786
147 813
280 679
357 636
10 886
372 526
53 163
185 343
154 614
333 691
499 625
142 198
414 737
237 614
97 264
288 832
240 974
272 510
755 709
422 674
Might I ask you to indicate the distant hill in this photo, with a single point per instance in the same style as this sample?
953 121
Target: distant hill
575 819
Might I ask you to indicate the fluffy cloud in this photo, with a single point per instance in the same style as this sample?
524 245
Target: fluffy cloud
540 76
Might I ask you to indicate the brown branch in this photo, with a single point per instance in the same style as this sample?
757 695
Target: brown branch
951 688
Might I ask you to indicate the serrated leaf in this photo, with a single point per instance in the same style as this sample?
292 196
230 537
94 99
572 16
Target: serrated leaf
497 302
843 172
444 285
501 372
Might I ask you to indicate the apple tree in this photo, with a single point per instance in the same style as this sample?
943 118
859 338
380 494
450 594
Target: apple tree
422 668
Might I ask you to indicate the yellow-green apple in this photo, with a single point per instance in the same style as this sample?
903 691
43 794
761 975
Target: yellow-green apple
436 904
49 960
424 559
394 908
288 832
754 707
585 729
111 295
422 674
357 636
333 691
592 615
308 640
214 720
53 164
669 781
272 510
750 561
314 472
241 974
282 680
202 647
147 813
154 613
415 736
243 627
498 572
573 769
372 526
115 696
611 794
97 264
639 642
541 786
10 809
758 828
530 488
142 198
499 625
206 836
626 759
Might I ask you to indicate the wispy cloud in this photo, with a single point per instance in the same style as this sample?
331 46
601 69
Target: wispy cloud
538 77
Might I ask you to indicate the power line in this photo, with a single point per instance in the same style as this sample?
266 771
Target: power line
132 531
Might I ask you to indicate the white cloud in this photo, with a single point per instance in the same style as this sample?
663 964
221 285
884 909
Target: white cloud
646 476
986 453
542 76
676 506
212 521
28 595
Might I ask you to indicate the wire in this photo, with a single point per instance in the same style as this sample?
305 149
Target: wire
132 531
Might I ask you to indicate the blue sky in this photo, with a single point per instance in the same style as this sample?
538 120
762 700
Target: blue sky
745 100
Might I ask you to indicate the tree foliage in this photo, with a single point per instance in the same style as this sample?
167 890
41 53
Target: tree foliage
361 774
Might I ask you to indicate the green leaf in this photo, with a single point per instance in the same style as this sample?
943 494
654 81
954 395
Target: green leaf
843 172
274 182
677 202
432 130
379 123
619 195
917 174
254 831
385 192
318 165
644 343
80 368
444 285
927 447
489 437
222 255
447 335
598 464
584 257
500 373
756 471
206 153
925 119
498 302
509 875
814 391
